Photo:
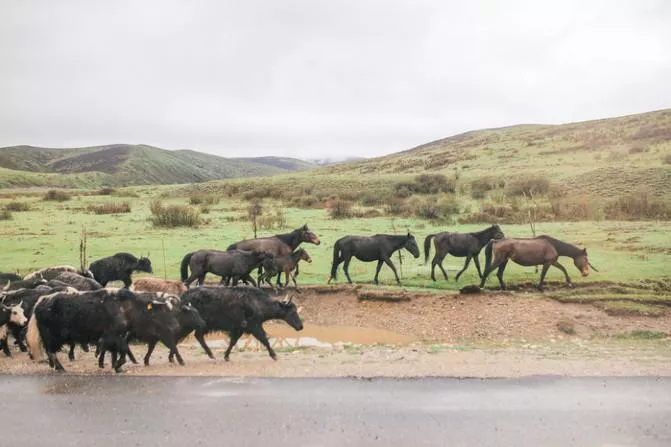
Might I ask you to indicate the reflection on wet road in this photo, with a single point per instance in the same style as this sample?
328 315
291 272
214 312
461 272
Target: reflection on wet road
146 411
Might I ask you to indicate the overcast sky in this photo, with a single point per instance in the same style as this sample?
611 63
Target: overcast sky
320 78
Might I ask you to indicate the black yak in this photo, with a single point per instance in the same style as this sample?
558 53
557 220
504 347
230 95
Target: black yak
119 267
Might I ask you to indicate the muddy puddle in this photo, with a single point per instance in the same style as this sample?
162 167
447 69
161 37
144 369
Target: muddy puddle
319 336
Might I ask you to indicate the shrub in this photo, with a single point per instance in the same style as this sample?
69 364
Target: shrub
106 191
56 195
431 209
110 208
426 184
5 215
530 185
203 199
637 149
575 208
17 206
276 220
480 186
667 159
174 215
638 205
340 209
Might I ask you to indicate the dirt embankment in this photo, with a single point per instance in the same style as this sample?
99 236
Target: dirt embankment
406 334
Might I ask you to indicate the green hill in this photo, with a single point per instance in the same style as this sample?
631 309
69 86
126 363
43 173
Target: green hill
123 165
603 157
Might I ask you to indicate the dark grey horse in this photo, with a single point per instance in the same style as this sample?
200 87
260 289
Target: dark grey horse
461 245
371 248
231 264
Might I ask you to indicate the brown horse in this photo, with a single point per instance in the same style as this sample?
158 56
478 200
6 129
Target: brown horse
541 250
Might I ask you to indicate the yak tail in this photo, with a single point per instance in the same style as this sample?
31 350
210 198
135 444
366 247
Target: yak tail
334 265
34 338
488 254
184 269
427 247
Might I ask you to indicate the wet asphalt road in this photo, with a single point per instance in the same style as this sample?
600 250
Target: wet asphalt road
168 411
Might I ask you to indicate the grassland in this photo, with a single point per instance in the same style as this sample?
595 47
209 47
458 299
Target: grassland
49 234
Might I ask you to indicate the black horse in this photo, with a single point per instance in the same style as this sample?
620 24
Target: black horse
371 248
461 245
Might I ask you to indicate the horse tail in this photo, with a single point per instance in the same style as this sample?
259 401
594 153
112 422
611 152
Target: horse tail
427 247
488 254
334 265
184 268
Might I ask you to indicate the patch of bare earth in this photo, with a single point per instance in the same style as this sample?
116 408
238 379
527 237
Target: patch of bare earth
410 335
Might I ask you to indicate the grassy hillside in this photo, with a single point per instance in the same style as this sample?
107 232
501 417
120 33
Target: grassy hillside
122 164
617 168
597 157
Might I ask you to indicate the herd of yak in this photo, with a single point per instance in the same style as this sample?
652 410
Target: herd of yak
63 306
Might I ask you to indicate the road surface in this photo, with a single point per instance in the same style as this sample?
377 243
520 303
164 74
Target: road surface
191 411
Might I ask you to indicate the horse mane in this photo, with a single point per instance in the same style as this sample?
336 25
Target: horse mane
490 229
563 248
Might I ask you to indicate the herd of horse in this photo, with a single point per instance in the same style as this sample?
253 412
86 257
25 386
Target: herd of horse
279 254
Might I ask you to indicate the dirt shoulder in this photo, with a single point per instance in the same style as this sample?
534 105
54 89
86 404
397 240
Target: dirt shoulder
485 335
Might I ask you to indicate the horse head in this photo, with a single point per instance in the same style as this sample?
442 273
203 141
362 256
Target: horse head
307 236
497 233
411 245
582 263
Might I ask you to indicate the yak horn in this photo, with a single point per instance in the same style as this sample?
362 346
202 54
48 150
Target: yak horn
593 268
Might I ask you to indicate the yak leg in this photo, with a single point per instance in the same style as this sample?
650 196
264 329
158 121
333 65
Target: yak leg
175 352
200 336
561 267
543 273
71 353
393 269
345 268
260 335
150 349
235 336
53 360
499 274
468 261
5 347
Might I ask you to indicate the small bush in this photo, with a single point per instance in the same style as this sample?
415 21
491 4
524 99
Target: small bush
174 215
481 186
667 159
271 221
203 199
109 208
431 209
18 206
566 326
56 195
426 184
637 149
340 209
637 206
576 208
532 185
106 191
5 215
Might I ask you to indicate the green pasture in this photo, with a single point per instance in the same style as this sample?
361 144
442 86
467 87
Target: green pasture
49 234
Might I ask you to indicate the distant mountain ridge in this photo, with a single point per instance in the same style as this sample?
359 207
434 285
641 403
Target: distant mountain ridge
126 165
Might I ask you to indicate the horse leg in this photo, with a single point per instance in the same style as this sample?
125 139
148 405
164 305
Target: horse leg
393 269
468 261
476 261
499 274
488 271
438 261
377 270
543 273
561 267
345 268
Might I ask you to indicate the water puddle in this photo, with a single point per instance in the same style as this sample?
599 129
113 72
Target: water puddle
319 336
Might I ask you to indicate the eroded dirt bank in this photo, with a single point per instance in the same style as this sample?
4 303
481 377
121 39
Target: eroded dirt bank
486 335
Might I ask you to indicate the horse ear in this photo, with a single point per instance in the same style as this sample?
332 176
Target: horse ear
305 227
584 251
